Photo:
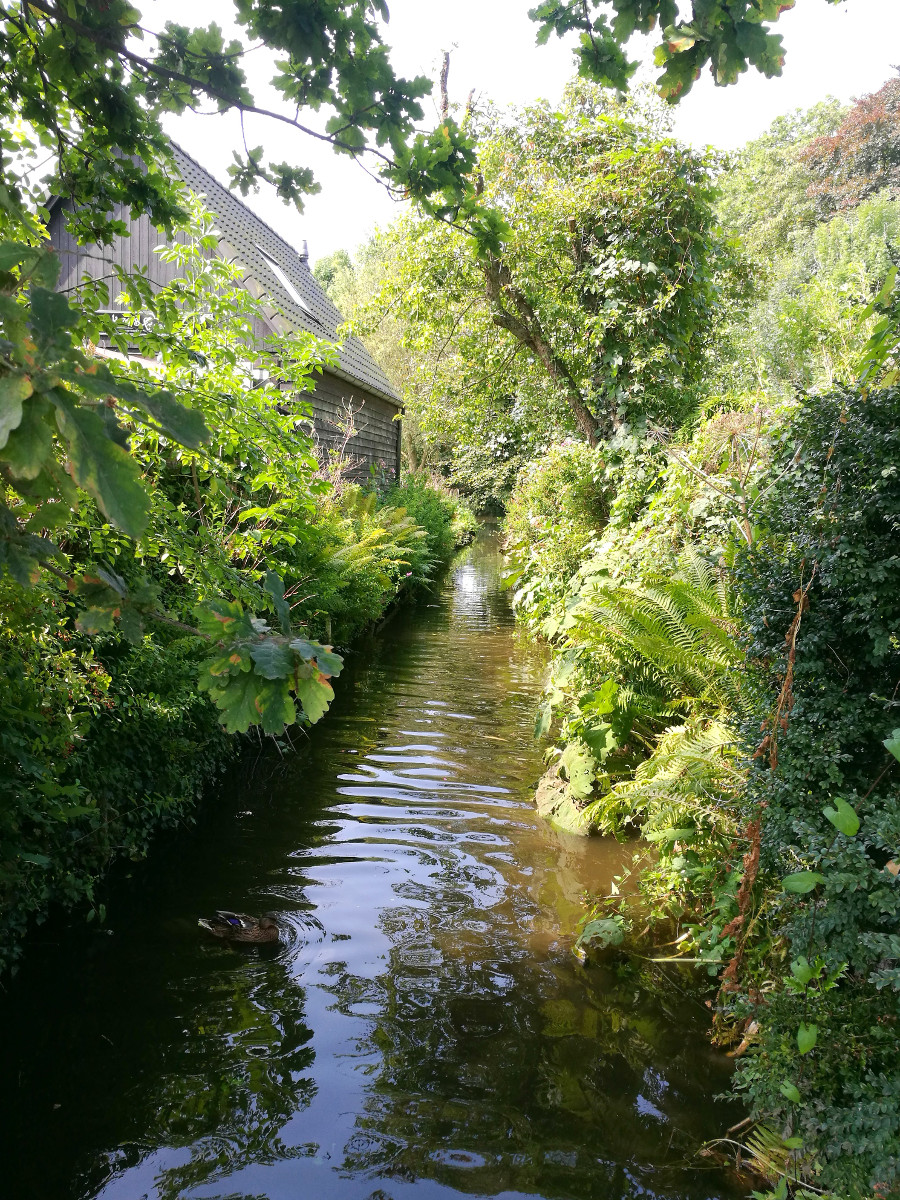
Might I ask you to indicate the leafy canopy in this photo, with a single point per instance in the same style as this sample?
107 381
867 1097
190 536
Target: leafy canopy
860 157
597 310
727 35
90 83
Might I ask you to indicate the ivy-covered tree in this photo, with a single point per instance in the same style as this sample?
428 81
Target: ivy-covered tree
602 298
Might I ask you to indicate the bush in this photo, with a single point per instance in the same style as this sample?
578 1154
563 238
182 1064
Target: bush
747 578
558 507
447 520
101 745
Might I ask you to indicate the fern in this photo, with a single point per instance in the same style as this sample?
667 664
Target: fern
672 649
684 781
676 642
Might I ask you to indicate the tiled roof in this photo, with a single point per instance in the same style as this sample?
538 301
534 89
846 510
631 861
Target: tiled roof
297 293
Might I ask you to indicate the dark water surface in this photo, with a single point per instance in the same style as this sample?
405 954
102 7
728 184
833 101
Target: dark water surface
424 1031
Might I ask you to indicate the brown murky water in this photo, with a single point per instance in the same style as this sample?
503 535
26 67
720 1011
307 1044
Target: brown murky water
424 1031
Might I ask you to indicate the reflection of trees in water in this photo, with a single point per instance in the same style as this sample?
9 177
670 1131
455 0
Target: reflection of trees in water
240 1073
511 1075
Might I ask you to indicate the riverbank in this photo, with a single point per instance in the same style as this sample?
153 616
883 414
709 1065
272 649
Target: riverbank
723 610
105 743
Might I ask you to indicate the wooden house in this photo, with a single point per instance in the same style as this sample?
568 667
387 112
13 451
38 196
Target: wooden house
292 299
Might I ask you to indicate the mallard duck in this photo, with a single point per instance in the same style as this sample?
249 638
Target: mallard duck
238 927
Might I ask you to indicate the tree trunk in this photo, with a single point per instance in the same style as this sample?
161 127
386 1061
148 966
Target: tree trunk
524 325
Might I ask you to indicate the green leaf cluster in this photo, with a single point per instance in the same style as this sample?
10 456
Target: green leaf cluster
728 36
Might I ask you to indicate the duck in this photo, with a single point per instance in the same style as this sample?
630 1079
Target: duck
239 927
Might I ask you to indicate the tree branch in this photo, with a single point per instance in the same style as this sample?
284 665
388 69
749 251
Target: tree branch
145 64
445 97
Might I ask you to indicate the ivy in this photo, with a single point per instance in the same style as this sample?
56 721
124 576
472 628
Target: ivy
829 526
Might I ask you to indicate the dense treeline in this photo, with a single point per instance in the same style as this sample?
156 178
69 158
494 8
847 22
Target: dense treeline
715 567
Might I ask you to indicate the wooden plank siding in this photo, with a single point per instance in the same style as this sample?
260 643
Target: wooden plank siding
376 417
377 439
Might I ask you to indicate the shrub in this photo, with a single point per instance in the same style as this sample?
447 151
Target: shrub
776 846
559 505
447 520
101 744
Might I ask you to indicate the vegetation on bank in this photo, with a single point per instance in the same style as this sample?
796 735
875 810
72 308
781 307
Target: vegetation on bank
695 410
120 701
726 675
717 572
104 742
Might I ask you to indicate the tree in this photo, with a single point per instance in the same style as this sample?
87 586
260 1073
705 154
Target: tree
602 297
817 269
91 81
860 157
334 272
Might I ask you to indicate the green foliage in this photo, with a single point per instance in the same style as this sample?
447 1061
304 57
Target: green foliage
590 318
57 404
810 325
81 775
649 688
825 567
728 36
558 506
81 411
880 358
647 685
90 88
448 522
746 575
819 283
763 195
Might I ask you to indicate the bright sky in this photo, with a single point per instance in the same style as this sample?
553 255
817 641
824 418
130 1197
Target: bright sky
845 50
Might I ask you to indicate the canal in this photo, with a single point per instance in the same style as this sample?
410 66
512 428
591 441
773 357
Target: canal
423 1030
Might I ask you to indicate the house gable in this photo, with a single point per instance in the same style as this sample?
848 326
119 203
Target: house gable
272 269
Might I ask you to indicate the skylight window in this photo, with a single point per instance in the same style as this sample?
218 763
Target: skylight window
284 281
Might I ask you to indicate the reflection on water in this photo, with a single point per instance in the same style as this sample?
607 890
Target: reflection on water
424 1029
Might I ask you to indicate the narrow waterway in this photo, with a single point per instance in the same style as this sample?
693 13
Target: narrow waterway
424 1030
